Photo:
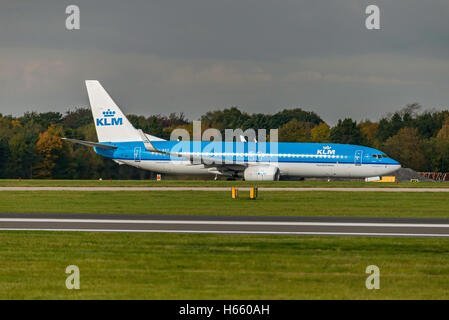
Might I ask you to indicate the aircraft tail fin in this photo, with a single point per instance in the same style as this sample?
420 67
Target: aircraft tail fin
110 122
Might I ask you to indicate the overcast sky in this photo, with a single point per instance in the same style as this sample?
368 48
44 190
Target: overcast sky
193 56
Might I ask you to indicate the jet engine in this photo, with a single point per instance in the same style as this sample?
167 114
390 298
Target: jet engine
261 173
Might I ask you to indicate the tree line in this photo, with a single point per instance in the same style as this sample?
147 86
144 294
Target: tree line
30 145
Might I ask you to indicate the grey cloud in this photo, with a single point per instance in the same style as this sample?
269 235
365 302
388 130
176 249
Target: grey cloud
193 56
244 29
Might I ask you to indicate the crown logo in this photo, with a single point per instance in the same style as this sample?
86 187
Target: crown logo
327 147
108 113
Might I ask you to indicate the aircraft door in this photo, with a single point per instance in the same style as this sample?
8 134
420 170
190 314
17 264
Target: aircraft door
358 157
137 154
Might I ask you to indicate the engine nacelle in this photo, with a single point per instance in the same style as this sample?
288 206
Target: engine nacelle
261 173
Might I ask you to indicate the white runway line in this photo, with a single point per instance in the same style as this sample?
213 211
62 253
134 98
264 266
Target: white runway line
318 233
220 222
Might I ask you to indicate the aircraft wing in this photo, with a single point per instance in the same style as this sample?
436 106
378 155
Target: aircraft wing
206 161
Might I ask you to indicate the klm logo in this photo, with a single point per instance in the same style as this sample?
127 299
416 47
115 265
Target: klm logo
109 119
326 150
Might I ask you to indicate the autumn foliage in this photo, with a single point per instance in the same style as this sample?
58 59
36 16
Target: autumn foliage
30 145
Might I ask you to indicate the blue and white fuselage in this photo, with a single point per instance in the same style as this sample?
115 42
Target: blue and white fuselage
121 142
292 159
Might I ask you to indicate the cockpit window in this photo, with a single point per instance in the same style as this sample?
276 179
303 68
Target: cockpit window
379 156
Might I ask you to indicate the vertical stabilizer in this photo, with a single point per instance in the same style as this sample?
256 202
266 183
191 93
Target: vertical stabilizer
110 122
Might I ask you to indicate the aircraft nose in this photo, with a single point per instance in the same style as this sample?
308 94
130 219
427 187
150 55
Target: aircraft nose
396 165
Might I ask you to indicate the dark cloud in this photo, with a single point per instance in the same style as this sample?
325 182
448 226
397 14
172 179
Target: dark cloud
191 56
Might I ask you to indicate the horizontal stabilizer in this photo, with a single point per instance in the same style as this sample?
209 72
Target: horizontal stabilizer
90 144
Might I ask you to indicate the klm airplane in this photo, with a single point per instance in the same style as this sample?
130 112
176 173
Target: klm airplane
254 161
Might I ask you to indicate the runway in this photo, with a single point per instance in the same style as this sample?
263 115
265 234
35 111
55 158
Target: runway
364 189
324 226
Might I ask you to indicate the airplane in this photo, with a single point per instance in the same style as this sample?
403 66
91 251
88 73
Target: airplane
254 161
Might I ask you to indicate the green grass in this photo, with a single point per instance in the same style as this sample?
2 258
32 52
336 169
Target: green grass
207 266
212 183
173 266
269 203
